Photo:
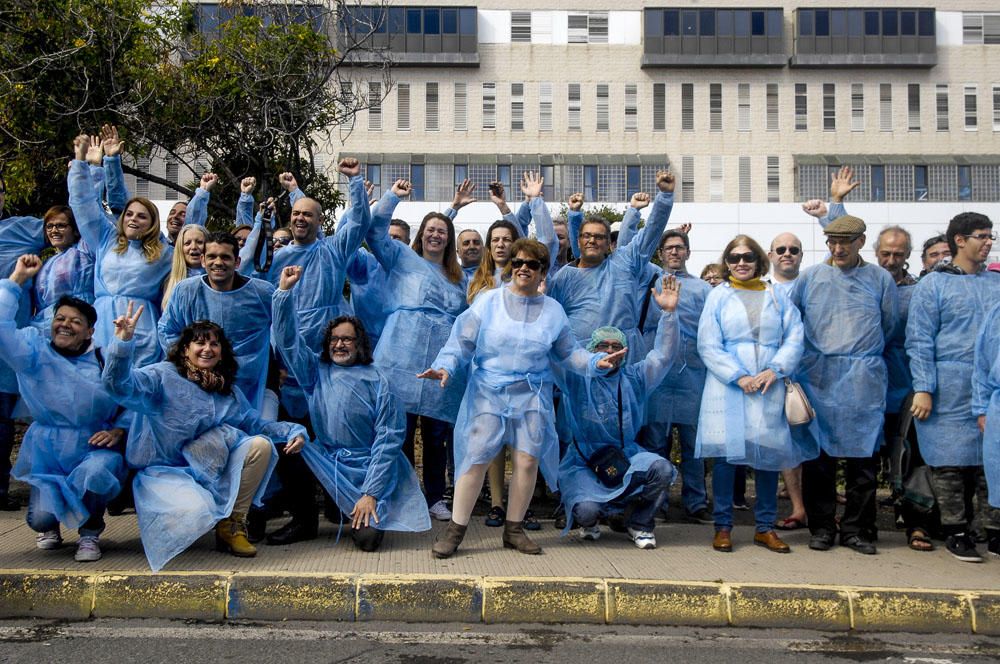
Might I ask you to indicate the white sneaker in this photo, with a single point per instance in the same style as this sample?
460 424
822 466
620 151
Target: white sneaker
88 550
50 539
591 534
643 539
440 511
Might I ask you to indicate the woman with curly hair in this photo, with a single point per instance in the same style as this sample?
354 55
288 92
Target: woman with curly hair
197 443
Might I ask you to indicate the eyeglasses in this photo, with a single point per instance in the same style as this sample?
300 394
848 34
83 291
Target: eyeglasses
531 264
56 227
793 250
841 241
282 240
982 237
673 249
593 237
749 258
608 347
347 341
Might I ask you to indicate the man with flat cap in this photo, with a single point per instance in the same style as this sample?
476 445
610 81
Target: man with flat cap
849 308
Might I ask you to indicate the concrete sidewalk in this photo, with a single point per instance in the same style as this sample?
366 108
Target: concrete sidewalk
682 582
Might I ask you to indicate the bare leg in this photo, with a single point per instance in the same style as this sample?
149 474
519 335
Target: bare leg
495 477
467 489
522 485
793 483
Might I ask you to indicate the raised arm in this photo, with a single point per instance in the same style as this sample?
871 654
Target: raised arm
298 358
197 209
353 227
93 224
244 207
114 176
574 221
463 196
531 186
641 249
630 222
660 358
137 389
16 346
386 250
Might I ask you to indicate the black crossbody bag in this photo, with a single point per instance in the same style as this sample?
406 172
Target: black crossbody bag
609 462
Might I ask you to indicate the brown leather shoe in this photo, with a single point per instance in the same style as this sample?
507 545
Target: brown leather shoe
771 540
514 538
448 540
722 541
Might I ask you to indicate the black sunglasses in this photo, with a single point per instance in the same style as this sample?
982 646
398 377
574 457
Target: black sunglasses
749 257
531 264
794 251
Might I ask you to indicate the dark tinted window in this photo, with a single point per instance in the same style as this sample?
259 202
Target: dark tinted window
908 24
706 20
432 21
672 23
757 23
878 183
926 18
872 24
806 22
396 20
822 22
450 20
689 23
414 24
890 23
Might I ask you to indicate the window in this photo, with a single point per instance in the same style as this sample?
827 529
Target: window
687 179
996 107
461 107
801 107
913 106
517 106
877 180
716 189
142 184
431 112
659 106
885 107
173 174
979 28
743 107
857 107
590 183
745 189
545 107
829 107
773 180
574 107
687 106
965 183
588 27
520 27
403 106
374 106
633 181
489 105
461 173
631 107
971 114
942 107
715 107
772 107
417 182
920 183
603 107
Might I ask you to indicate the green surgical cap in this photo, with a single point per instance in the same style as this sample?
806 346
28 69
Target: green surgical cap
606 333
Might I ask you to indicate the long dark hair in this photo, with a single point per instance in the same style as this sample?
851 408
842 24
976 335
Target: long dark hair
483 278
452 270
199 331
364 344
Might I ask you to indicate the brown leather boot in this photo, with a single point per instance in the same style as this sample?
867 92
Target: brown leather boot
448 540
722 542
514 538
231 536
771 540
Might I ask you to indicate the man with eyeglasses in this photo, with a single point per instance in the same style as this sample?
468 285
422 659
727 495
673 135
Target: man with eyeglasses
18 236
849 308
947 308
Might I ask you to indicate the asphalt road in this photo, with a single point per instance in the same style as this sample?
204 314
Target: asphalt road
155 642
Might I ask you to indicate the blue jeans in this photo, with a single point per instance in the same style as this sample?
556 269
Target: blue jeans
7 403
646 492
765 507
657 439
42 521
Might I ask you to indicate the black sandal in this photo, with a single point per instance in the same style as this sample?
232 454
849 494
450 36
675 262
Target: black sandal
919 540
530 522
496 517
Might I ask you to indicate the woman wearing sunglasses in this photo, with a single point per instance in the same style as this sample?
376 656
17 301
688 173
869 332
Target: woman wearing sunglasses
508 339
750 338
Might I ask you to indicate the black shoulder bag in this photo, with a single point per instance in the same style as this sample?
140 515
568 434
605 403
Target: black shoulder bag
609 462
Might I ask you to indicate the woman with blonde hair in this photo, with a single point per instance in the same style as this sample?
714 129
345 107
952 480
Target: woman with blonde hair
188 250
130 259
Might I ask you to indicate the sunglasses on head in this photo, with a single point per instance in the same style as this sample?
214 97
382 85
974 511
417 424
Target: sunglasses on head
793 250
531 264
749 257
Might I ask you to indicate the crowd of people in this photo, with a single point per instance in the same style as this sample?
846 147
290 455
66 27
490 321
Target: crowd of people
214 389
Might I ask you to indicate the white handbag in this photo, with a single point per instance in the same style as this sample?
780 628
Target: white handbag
798 410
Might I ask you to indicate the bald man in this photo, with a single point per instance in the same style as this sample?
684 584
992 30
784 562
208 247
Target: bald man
786 259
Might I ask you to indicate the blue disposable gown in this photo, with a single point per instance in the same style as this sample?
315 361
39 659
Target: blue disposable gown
748 429
594 418
188 446
359 430
986 397
244 313
509 342
605 294
18 236
677 399
118 278
424 304
847 315
68 404
896 362
69 272
946 310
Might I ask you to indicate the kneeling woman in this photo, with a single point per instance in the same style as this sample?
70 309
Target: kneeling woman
197 443
750 337
359 424
509 337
